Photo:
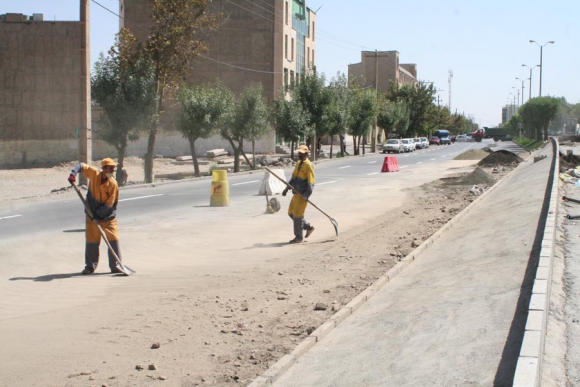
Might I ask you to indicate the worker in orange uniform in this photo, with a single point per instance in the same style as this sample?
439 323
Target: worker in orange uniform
303 183
102 199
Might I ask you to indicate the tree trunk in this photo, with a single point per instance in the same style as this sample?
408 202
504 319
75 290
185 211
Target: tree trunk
354 148
149 155
121 157
292 150
236 154
331 142
253 154
152 135
363 143
196 170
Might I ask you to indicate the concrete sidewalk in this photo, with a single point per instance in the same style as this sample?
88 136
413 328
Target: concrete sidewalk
456 315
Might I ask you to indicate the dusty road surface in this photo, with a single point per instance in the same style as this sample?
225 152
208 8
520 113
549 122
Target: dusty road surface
219 296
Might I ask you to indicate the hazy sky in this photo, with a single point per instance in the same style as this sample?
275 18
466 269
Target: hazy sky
484 42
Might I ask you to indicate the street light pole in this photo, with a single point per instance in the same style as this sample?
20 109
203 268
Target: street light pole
523 87
541 66
518 91
531 68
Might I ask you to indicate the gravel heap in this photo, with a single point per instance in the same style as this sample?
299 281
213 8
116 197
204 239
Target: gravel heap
472 154
501 157
477 177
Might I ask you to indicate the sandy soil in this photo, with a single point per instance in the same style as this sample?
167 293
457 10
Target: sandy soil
211 328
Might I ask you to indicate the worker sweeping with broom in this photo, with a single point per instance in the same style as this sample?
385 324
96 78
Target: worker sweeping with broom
101 210
302 182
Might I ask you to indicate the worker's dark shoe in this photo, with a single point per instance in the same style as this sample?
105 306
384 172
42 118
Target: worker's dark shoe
309 232
87 270
117 271
295 240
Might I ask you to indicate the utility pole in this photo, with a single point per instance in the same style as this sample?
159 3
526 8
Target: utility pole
85 136
374 131
450 78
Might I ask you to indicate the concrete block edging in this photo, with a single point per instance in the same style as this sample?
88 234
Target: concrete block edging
529 365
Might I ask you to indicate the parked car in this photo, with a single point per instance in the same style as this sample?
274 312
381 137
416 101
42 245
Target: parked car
424 142
408 144
418 143
393 145
445 141
434 141
461 138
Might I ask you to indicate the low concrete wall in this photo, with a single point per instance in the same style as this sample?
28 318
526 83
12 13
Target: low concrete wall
29 153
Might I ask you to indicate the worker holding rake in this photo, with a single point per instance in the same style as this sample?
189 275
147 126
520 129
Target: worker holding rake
101 210
303 183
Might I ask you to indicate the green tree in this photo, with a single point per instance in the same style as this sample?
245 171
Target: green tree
123 85
420 103
362 111
202 110
339 109
289 120
250 120
177 37
393 117
315 99
536 115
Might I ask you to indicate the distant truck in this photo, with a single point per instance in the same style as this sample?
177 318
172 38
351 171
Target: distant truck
498 134
443 136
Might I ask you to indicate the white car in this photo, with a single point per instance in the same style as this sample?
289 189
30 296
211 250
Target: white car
461 138
424 142
408 144
418 143
393 145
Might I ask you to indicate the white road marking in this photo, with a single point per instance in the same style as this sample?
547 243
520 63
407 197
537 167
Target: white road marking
327 182
374 173
140 197
432 159
404 166
371 162
10 217
443 156
347 166
247 182
420 162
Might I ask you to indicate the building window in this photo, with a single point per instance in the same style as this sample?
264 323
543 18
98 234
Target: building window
292 50
286 13
308 57
312 58
285 79
291 77
313 31
286 46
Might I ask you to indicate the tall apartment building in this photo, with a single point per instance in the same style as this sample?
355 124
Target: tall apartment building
41 93
384 67
267 42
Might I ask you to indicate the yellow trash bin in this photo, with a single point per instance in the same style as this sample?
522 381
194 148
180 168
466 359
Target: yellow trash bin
220 189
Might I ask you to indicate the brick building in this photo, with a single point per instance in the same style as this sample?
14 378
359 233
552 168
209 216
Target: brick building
267 43
40 78
385 66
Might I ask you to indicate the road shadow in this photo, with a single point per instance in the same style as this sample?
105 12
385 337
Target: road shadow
506 370
77 230
50 277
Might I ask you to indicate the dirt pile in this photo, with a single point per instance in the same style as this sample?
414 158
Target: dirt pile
477 177
472 154
501 157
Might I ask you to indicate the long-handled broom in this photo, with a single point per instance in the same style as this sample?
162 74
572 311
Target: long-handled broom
121 266
332 220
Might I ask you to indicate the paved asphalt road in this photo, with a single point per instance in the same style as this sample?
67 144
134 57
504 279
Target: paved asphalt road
139 203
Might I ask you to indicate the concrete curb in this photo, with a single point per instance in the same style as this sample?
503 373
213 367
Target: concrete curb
529 366
269 377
